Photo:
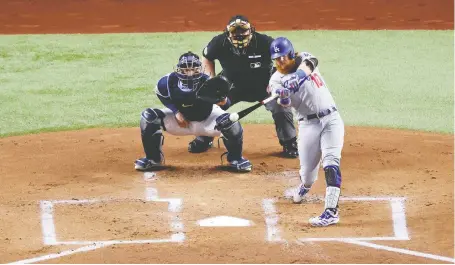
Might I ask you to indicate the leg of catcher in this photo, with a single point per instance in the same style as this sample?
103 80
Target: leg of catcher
285 129
233 140
152 139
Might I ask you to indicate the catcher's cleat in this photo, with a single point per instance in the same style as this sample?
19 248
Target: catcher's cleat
200 144
299 193
240 165
290 149
145 164
328 217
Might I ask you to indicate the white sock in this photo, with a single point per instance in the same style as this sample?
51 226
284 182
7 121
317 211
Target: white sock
332 195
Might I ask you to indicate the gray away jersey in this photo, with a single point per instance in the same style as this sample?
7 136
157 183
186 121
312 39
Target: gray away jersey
312 96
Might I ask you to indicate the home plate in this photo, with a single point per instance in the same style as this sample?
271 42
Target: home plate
224 221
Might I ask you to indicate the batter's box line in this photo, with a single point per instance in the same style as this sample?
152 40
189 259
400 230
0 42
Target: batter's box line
399 227
50 235
273 231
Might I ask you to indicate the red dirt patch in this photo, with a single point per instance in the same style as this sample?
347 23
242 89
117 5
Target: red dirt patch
98 163
102 16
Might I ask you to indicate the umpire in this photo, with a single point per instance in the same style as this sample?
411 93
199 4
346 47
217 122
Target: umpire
245 58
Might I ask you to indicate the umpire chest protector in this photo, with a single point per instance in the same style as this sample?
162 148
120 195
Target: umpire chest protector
251 69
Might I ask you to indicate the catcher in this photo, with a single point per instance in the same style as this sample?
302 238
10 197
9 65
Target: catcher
189 96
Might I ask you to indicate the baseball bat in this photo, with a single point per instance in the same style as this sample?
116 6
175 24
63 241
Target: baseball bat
238 115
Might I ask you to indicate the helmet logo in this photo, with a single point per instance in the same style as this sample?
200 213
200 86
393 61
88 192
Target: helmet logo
276 49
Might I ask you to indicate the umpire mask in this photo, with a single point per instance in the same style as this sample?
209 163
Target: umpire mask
189 71
239 33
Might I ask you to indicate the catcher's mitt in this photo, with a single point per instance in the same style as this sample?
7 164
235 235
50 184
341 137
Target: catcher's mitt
214 89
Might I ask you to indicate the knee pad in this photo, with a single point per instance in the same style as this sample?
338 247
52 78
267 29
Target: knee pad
333 176
151 121
233 132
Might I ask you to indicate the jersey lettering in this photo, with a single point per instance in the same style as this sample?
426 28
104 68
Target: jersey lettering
317 80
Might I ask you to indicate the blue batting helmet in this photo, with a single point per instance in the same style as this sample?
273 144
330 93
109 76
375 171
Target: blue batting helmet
281 47
189 70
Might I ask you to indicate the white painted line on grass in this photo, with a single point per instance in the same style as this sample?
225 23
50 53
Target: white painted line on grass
271 220
61 254
399 219
47 223
398 250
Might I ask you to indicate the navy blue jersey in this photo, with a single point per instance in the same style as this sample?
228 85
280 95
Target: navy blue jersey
179 98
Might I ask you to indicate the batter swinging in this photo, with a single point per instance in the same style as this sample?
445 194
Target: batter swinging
299 84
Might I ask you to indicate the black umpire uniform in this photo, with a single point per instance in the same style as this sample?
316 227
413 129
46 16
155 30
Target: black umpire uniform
245 58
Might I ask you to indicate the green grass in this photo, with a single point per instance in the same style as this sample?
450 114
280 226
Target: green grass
399 79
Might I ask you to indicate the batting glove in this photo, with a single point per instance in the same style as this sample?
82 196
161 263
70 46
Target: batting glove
283 92
295 80
285 102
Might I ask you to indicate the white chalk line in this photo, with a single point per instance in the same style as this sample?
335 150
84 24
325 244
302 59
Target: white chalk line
271 219
322 239
400 228
115 242
50 235
47 223
61 254
398 250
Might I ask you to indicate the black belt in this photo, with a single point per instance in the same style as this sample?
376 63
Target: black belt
319 114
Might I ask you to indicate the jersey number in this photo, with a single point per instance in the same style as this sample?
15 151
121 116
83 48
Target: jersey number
317 80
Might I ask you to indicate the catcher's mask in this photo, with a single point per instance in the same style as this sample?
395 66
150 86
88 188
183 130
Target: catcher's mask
239 32
189 71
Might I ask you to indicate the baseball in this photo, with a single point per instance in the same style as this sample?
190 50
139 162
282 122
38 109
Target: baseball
234 117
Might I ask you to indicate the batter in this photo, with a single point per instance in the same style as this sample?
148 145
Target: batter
300 85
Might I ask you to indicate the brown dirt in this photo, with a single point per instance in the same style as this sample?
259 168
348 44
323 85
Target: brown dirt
99 16
98 163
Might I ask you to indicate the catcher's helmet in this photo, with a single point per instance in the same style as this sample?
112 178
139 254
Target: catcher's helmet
189 70
239 33
281 47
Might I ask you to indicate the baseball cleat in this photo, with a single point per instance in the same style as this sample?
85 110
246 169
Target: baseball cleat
144 164
299 193
290 150
200 144
328 217
241 165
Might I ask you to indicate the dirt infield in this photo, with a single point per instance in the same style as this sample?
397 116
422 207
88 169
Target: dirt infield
73 197
99 16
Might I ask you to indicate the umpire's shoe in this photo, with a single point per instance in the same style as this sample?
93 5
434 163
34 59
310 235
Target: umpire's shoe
145 164
200 144
290 148
328 217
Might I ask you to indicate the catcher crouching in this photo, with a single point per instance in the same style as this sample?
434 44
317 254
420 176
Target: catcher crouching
190 98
